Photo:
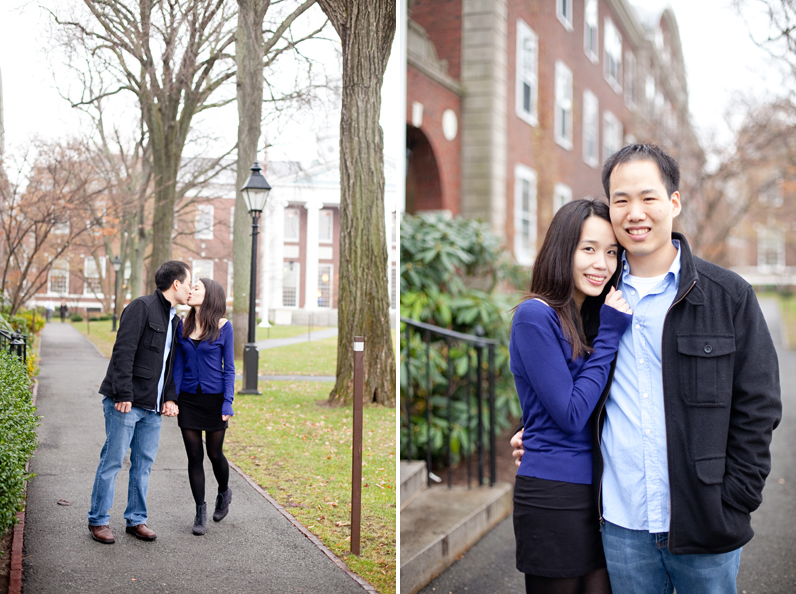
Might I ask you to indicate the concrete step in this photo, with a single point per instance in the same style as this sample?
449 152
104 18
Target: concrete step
440 524
413 479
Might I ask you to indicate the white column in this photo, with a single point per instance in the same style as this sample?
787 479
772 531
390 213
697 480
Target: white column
269 250
278 252
311 262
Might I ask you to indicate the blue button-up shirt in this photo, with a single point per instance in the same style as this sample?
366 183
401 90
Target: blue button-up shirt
636 475
166 352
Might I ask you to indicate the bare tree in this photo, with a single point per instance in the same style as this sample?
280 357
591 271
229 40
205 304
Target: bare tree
366 30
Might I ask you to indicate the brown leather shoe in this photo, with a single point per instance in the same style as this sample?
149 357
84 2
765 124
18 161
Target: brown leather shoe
101 534
142 532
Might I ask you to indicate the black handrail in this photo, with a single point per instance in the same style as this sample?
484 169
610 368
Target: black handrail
16 343
477 343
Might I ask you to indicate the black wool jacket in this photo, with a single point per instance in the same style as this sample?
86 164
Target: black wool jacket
137 359
721 395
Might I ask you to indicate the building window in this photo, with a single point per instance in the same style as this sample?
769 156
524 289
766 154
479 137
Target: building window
561 195
232 221
230 278
61 227
612 55
770 248
563 109
290 284
325 225
649 94
92 271
630 80
325 278
564 13
201 269
393 285
612 134
292 224
590 40
527 74
770 192
58 278
524 214
591 129
204 221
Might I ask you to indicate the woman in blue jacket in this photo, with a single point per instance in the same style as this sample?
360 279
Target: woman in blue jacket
204 378
559 378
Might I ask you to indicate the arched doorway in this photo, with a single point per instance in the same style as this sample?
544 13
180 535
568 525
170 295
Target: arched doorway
423 185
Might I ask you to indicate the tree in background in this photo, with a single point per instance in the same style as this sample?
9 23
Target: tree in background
366 31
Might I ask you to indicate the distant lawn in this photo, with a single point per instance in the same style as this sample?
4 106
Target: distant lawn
281 331
318 357
300 453
99 333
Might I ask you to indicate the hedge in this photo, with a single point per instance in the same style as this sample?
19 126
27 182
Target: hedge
18 422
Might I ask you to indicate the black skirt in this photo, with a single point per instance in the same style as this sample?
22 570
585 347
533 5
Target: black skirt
556 527
201 412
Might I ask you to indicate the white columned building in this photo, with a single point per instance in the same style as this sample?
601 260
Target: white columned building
313 208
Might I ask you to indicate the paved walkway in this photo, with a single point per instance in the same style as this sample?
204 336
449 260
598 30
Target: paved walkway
254 550
768 562
272 343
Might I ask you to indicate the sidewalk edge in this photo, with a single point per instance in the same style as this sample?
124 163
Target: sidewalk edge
17 540
313 539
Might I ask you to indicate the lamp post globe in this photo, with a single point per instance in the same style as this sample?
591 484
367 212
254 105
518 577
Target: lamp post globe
255 193
117 264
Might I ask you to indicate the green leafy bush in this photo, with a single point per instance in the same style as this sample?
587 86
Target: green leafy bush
76 317
18 421
454 274
25 322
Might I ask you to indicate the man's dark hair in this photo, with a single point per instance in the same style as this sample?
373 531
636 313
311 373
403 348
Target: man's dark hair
667 166
169 272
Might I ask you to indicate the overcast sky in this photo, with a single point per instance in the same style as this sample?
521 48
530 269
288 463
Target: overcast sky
721 61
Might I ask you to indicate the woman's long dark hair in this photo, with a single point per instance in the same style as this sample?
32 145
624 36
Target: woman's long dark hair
552 278
212 309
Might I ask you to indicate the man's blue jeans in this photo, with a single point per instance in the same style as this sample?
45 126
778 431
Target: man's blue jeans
138 431
639 563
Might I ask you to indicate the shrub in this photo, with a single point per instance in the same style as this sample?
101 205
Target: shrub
24 322
18 421
76 317
454 274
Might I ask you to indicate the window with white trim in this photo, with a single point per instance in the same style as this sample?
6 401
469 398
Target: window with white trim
591 129
612 134
204 221
612 55
325 278
630 80
770 192
58 277
770 248
563 107
93 271
325 225
524 214
230 278
61 227
564 13
231 221
292 224
590 31
649 94
562 194
527 74
202 269
290 283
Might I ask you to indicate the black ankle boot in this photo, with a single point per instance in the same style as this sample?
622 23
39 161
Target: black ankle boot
222 505
200 521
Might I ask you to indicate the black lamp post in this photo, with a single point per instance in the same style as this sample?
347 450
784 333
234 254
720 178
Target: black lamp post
117 264
255 193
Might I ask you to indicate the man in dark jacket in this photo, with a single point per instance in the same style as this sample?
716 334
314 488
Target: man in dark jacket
683 428
137 389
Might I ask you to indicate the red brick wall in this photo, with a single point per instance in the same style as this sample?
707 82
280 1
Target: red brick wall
442 20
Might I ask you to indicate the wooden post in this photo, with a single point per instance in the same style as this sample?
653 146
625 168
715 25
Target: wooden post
356 466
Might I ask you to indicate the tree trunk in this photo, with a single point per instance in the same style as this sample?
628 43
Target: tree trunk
249 51
366 31
167 153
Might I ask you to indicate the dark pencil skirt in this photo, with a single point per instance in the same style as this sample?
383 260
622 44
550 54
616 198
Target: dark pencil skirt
201 412
556 527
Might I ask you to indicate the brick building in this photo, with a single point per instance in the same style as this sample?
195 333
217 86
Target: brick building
513 105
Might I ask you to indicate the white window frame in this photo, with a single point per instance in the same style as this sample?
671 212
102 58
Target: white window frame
93 273
61 268
232 222
297 237
591 31
612 55
61 227
205 218
591 129
199 268
296 272
650 94
563 105
770 240
564 13
562 194
230 278
631 90
330 283
613 134
525 246
326 212
527 73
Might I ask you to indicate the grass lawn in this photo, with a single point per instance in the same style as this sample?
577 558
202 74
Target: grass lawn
281 331
300 453
318 357
99 333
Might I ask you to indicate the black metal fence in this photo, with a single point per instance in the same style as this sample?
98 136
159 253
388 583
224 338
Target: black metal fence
16 343
469 343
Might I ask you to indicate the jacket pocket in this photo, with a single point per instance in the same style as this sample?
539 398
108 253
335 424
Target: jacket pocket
705 368
155 338
710 470
142 372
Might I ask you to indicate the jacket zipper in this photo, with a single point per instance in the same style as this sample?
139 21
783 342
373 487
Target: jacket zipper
671 501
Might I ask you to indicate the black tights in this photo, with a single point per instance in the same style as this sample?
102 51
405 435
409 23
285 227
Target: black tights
196 471
595 582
